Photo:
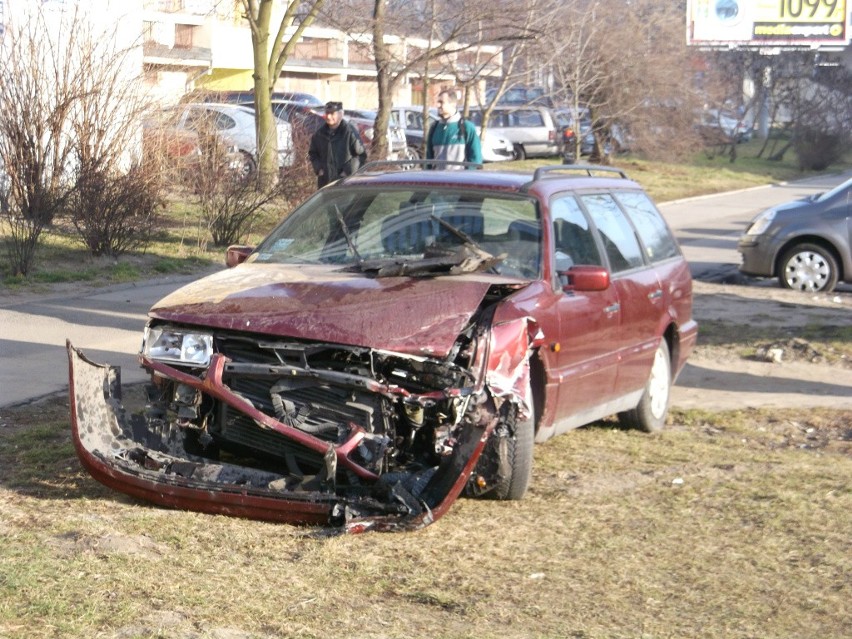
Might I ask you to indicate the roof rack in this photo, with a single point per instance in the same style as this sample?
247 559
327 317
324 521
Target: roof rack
586 169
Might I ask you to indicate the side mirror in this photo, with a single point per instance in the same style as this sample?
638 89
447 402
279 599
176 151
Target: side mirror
237 254
585 278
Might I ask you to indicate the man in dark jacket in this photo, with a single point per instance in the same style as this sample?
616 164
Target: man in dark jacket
336 149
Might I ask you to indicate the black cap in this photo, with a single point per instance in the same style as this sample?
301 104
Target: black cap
331 107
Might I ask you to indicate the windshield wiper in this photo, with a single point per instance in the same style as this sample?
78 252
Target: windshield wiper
472 257
348 237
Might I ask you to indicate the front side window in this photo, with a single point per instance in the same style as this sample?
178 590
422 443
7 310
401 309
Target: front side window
358 227
652 229
619 240
573 239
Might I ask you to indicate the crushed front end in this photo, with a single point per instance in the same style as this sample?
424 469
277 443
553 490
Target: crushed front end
297 430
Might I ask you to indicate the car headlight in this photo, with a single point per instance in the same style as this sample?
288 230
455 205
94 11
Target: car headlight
761 222
166 344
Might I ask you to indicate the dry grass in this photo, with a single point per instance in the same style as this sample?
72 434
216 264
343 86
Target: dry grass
725 525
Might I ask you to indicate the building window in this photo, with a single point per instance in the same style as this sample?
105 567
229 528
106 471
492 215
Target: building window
183 36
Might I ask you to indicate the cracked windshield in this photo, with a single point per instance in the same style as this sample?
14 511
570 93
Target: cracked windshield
364 228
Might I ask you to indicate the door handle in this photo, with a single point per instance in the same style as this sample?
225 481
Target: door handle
655 295
612 309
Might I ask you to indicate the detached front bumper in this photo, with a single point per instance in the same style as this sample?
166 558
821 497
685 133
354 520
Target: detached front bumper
133 455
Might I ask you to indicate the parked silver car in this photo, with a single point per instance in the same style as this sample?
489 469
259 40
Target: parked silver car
805 244
235 125
495 147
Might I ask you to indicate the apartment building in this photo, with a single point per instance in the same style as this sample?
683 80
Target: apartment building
192 45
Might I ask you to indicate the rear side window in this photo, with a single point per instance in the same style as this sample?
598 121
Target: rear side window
619 240
526 118
652 229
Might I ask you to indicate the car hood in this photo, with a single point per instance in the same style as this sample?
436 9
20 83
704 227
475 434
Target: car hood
797 206
422 316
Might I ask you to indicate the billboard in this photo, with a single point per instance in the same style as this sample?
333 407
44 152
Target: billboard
794 24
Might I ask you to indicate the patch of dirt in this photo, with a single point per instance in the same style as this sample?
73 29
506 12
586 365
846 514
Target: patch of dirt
751 351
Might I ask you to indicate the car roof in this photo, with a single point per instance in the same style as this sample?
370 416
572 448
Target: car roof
222 106
543 182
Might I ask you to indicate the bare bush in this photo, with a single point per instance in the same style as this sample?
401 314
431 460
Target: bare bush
70 135
298 180
817 149
115 213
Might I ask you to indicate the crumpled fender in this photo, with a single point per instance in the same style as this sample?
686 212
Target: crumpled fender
508 371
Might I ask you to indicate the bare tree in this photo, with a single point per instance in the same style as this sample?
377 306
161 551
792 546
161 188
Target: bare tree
515 37
270 53
627 63
115 198
426 39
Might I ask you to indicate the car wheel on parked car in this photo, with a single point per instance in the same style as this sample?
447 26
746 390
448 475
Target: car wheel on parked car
519 153
808 267
247 165
650 413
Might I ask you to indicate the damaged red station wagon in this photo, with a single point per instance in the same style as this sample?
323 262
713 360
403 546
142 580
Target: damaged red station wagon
401 338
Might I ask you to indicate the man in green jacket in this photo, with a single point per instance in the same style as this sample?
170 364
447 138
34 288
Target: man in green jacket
452 138
336 148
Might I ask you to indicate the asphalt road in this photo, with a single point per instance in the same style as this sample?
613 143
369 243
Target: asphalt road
107 324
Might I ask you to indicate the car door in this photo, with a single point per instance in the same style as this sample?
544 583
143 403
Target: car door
640 294
586 354
661 250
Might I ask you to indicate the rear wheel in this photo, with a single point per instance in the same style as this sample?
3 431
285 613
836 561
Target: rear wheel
809 268
650 413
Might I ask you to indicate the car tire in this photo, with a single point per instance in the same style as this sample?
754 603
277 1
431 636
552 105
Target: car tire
506 462
247 165
809 268
518 152
650 413
412 153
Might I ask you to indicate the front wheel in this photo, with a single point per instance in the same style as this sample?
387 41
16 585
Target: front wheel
650 413
518 152
809 268
506 462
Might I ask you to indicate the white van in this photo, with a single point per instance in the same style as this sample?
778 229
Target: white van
531 129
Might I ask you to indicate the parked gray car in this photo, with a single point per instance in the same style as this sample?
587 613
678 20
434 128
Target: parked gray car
805 244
